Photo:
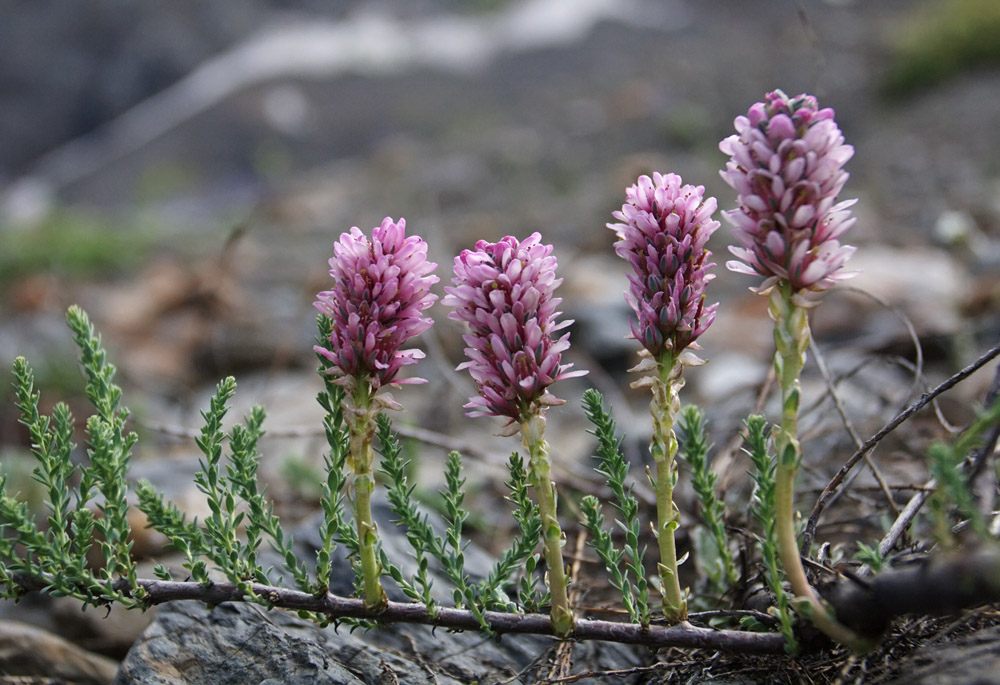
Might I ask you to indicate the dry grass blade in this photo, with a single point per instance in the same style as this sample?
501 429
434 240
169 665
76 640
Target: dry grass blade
923 401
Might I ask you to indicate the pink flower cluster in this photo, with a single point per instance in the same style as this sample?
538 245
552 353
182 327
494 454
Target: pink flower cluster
786 165
663 228
381 288
504 291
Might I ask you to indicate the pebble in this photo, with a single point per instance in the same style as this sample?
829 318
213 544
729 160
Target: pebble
31 653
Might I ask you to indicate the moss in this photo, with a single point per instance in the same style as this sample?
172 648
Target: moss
940 42
687 127
73 243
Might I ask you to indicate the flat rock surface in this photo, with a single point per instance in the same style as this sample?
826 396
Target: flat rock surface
32 653
243 643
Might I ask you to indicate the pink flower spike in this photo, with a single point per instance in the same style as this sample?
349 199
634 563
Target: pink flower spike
504 291
662 233
786 165
381 286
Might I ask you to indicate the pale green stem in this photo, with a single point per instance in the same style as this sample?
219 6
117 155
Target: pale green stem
791 339
539 467
361 424
663 447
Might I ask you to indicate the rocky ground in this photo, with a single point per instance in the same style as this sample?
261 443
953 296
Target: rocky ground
216 154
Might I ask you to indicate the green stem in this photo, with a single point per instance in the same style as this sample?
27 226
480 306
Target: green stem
361 423
664 407
791 339
539 466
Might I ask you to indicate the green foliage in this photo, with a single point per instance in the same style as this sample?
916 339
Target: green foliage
940 42
87 506
762 508
335 528
419 532
615 468
529 523
235 559
110 453
58 556
52 445
72 244
953 495
693 447
870 556
453 555
450 550
184 536
492 590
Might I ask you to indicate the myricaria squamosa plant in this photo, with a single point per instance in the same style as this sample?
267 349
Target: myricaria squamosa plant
505 293
662 231
381 289
787 166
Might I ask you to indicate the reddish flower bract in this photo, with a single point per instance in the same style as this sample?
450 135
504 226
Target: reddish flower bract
787 160
381 288
504 291
663 228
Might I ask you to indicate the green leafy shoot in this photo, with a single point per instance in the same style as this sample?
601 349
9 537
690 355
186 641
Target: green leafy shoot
110 451
492 590
450 550
225 548
454 553
870 556
693 448
762 508
611 556
52 445
529 523
24 547
184 536
419 532
242 474
335 528
953 494
615 468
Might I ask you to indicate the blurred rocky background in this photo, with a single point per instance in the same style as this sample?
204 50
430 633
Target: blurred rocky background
181 170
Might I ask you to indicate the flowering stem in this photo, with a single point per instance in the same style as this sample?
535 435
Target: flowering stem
532 432
362 430
791 339
663 447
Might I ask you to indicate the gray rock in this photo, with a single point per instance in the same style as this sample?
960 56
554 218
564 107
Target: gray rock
188 642
230 643
972 658
31 653
234 642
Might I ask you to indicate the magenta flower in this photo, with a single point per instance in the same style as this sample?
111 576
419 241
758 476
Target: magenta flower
786 164
381 288
663 230
505 292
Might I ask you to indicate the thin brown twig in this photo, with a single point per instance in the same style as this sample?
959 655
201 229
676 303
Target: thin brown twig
903 520
336 607
924 400
849 425
918 349
423 435
980 458
722 463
